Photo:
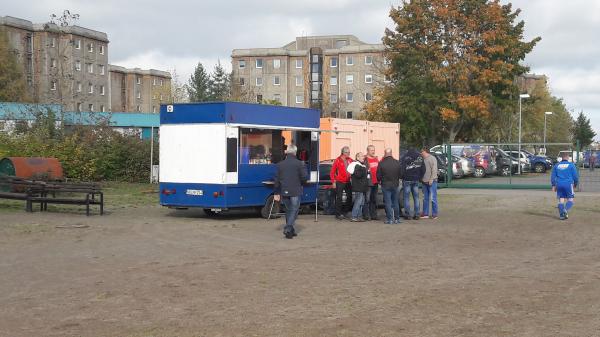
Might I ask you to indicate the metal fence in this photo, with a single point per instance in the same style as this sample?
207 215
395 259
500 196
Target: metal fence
589 170
501 165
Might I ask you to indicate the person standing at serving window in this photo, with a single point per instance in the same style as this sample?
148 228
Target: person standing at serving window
290 175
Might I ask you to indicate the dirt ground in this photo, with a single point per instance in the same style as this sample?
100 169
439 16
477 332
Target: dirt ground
496 263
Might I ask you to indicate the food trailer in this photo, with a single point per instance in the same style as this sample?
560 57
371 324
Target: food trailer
221 156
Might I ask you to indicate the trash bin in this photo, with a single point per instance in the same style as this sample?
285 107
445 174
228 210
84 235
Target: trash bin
36 168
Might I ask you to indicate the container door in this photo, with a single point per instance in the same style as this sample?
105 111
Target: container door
232 158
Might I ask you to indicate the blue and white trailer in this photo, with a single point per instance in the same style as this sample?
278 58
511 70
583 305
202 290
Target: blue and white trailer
221 156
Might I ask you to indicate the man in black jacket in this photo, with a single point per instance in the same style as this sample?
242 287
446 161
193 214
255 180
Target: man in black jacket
388 174
289 177
413 170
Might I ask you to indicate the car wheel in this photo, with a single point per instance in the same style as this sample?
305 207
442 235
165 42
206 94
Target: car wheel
540 168
505 171
479 172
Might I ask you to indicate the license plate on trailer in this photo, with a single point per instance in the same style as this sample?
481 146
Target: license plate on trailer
194 192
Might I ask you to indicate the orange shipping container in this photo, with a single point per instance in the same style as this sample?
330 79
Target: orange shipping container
357 134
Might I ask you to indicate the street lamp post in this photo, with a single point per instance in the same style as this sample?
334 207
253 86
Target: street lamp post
546 114
521 96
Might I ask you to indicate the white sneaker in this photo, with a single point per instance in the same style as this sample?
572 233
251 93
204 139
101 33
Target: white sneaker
424 216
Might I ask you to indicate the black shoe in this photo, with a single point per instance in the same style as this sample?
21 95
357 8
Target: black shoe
289 235
294 234
416 217
375 218
367 218
406 217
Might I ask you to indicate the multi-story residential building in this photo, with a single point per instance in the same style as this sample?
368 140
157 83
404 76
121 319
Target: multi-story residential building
62 65
138 90
69 66
337 74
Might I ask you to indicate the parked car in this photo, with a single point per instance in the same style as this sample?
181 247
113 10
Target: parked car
506 164
481 156
572 156
539 163
522 158
466 165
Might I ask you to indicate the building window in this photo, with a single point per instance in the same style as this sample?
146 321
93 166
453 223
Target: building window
299 98
78 86
79 107
90 89
259 63
53 63
276 63
333 98
242 64
333 80
53 42
349 114
368 96
387 61
386 78
101 48
161 82
78 65
349 97
91 107
298 63
153 109
299 81
138 108
333 62
368 60
53 85
276 80
101 90
102 108
161 97
341 43
277 97
349 79
242 81
138 80
259 81
153 96
77 44
139 94
368 78
90 47
90 68
259 98
349 60
154 81
101 66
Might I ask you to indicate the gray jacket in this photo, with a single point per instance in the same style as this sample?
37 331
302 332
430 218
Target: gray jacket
431 169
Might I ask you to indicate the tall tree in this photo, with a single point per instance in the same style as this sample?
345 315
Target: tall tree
453 65
582 131
179 92
199 85
12 84
220 84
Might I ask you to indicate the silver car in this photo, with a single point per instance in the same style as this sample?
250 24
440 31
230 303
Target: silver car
467 166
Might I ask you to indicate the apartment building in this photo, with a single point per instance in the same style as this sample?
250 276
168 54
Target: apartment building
336 74
138 90
62 65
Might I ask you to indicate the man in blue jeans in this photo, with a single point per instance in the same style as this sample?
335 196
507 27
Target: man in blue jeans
290 175
388 174
412 171
429 185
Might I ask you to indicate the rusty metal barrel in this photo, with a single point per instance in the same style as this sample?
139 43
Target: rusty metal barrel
36 168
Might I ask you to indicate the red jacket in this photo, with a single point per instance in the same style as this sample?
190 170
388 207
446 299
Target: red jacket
338 170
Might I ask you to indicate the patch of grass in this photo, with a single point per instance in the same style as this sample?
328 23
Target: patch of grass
118 194
11 205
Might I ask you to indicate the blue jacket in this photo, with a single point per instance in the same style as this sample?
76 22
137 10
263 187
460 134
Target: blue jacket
290 175
564 173
412 167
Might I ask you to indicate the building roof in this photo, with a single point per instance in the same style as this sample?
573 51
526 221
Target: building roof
51 27
138 71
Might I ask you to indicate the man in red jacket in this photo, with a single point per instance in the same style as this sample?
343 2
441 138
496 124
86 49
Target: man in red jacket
340 180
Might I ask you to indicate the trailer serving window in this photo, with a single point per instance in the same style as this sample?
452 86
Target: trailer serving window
260 146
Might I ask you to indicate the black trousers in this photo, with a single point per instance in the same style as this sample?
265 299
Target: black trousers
340 207
370 209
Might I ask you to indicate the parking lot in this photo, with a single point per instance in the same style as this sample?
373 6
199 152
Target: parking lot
496 263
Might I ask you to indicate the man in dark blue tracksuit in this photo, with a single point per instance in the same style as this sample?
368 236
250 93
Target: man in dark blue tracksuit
290 175
564 179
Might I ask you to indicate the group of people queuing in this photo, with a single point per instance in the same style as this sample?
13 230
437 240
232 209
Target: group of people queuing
359 180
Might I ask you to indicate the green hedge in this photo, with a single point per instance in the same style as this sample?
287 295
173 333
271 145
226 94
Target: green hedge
86 153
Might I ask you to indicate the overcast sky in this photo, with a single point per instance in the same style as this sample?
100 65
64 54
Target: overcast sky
178 34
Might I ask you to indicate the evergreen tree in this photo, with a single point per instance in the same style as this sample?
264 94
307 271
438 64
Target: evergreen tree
220 84
199 86
12 84
582 131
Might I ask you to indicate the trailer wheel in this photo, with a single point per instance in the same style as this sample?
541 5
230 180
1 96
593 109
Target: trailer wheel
264 212
210 213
